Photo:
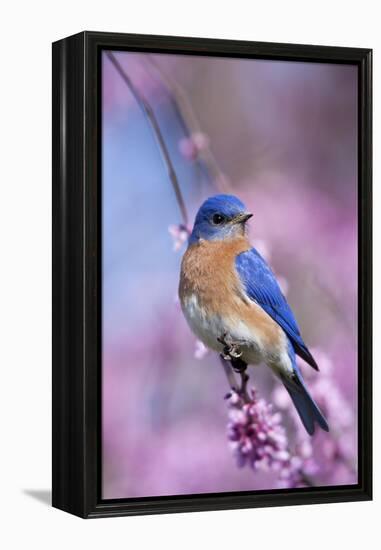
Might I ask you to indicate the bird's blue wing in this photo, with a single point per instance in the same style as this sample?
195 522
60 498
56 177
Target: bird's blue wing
262 287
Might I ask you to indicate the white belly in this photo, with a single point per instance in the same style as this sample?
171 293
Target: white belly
209 328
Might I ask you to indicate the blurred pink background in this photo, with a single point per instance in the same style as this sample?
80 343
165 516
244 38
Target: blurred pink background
285 136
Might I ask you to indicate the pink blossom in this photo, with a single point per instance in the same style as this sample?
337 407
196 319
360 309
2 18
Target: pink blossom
265 251
191 147
200 351
179 234
283 283
256 434
323 452
258 438
262 247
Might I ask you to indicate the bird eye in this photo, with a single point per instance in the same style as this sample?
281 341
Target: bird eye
218 219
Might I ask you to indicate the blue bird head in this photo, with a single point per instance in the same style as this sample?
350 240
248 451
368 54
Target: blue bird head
220 217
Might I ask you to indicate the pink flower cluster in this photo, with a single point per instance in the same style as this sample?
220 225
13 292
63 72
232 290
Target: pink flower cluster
200 350
323 454
191 147
265 251
258 438
256 434
179 234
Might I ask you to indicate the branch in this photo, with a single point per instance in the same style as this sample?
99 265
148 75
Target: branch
149 113
306 479
188 121
229 371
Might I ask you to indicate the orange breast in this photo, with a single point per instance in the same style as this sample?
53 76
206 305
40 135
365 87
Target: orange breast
208 272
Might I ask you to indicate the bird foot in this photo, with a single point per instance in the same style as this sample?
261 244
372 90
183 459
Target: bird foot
240 389
243 389
232 352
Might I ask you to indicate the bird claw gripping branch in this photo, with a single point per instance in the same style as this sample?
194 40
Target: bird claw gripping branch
232 352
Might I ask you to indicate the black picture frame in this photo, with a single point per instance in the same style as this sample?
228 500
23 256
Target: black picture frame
77 283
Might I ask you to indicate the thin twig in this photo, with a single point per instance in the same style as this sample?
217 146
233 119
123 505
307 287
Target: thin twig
243 389
244 378
149 113
307 479
188 121
229 373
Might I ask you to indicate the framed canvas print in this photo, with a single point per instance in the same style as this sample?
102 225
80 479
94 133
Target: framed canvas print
211 274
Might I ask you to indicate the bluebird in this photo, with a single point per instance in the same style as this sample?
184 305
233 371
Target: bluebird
229 294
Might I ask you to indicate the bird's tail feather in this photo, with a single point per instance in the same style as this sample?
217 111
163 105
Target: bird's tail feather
308 411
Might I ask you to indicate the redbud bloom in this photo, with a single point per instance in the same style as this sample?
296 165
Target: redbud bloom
330 397
265 251
191 147
263 248
324 454
256 434
283 284
200 350
258 439
179 234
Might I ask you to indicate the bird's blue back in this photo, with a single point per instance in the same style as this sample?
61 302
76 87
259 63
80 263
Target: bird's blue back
222 218
261 286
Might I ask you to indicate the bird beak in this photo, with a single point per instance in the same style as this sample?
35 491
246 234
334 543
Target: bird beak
242 218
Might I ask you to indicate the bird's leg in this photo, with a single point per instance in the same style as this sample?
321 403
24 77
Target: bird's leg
238 365
229 374
232 353
243 389
231 349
